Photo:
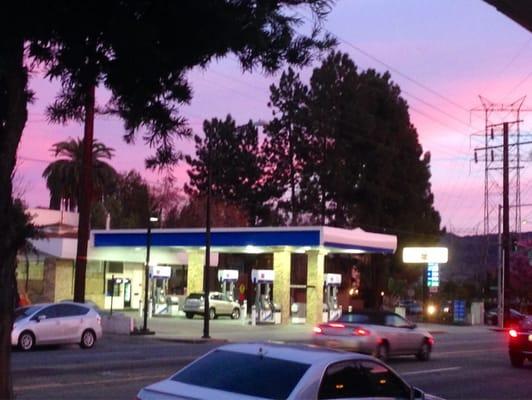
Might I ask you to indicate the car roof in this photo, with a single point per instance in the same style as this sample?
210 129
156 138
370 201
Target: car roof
41 305
304 353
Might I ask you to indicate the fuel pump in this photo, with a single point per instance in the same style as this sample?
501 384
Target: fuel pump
332 284
159 276
263 280
227 279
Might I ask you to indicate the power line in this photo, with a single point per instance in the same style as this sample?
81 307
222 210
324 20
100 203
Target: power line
400 73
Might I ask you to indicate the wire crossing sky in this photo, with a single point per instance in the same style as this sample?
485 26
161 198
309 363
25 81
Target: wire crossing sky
442 53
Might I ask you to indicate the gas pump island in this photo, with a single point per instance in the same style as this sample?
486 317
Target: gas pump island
265 310
332 284
228 279
159 276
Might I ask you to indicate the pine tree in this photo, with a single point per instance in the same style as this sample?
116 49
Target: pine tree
283 136
236 168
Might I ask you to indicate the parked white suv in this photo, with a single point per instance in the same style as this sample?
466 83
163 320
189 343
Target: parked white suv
56 323
219 304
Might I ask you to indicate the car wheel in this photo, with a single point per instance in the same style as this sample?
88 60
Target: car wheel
189 315
26 341
88 338
235 314
382 352
212 313
424 352
517 360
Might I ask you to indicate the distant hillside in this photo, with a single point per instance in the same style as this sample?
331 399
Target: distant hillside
471 258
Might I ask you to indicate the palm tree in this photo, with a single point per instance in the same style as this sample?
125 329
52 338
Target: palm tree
63 175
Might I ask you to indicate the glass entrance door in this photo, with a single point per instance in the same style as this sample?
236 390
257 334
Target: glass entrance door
127 293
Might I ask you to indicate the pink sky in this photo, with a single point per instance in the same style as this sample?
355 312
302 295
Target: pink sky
458 49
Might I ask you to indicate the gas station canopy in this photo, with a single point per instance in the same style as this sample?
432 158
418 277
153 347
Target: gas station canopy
251 240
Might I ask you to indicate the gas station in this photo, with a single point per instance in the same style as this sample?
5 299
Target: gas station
250 265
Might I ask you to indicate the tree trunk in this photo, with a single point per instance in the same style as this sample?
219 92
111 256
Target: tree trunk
85 197
292 178
13 99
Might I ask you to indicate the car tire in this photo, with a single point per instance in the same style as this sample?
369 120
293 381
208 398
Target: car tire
212 313
189 315
236 313
88 339
26 341
517 360
424 351
382 352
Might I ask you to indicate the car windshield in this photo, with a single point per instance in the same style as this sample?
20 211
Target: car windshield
24 312
196 296
247 374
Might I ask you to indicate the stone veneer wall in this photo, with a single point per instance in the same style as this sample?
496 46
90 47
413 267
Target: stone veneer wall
315 271
281 285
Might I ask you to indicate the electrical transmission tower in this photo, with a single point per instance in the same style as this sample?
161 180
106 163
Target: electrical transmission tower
490 153
501 154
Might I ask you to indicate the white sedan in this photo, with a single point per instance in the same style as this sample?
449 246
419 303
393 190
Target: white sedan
280 371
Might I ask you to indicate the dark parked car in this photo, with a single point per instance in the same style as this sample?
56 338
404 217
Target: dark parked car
491 317
520 342
412 307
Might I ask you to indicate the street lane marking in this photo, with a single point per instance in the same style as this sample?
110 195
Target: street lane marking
430 371
443 353
23 388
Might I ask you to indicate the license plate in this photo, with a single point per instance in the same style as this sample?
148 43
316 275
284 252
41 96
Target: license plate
334 343
530 338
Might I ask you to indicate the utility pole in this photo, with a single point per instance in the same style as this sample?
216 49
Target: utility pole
496 154
505 222
206 268
490 154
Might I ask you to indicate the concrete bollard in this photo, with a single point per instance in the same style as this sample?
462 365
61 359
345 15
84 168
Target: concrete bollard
253 315
244 312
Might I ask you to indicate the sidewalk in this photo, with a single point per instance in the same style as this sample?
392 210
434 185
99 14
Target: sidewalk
224 329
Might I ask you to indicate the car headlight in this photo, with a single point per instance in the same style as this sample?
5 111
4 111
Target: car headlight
431 309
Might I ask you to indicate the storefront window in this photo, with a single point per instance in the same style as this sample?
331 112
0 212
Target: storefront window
113 288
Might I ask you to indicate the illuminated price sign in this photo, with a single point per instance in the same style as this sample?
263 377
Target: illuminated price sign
433 275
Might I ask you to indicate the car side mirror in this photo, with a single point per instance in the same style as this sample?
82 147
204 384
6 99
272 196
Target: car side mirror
40 318
412 326
417 394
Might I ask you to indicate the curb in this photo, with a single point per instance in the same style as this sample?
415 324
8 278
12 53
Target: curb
437 332
499 329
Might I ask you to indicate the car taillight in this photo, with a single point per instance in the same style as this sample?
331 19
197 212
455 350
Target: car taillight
512 333
317 329
360 332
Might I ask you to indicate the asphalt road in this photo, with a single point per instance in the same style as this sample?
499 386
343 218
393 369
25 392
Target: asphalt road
463 366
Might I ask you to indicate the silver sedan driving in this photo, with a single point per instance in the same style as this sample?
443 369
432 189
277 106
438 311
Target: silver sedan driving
379 333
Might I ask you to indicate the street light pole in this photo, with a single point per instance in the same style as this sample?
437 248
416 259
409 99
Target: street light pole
147 275
206 268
